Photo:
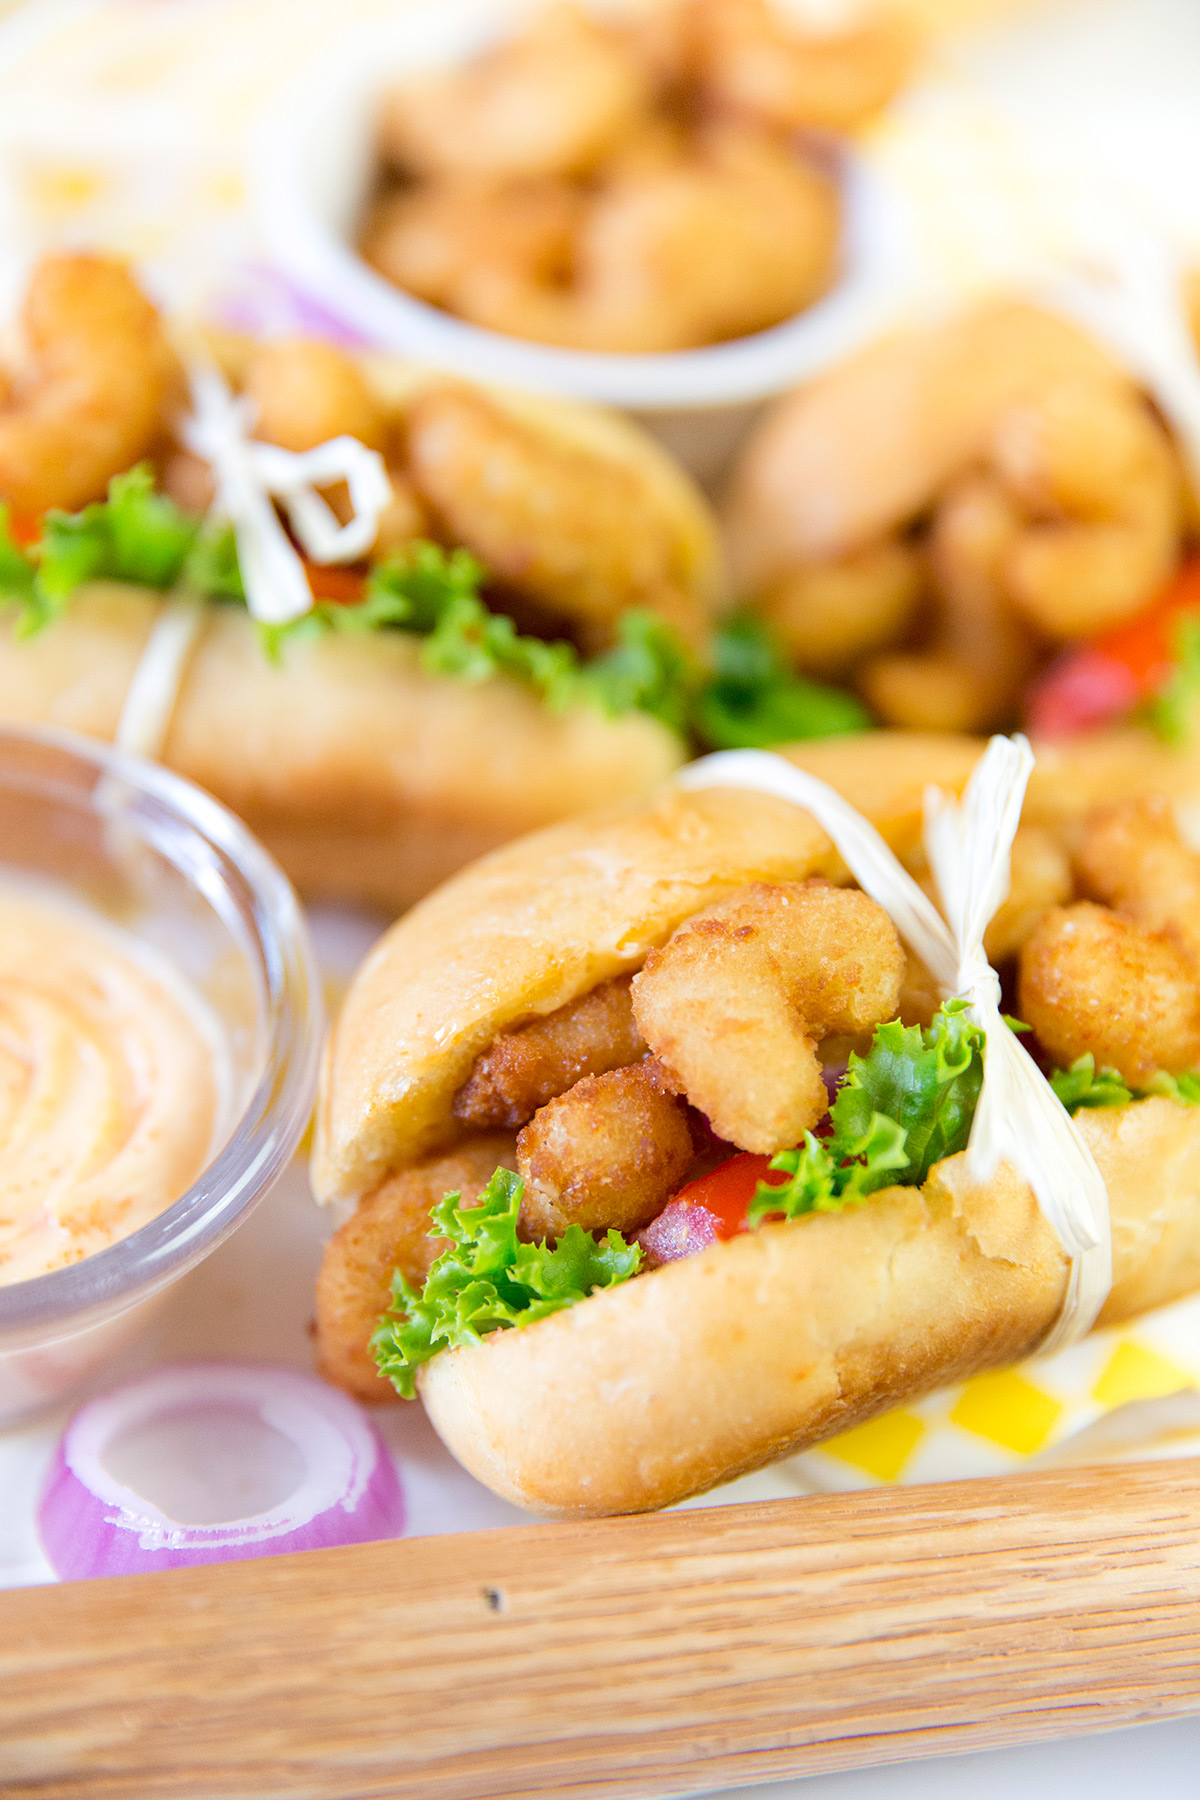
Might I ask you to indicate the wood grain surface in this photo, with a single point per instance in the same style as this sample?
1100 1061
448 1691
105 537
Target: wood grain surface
631 1657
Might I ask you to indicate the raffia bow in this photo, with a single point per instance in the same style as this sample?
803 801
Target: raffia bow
1019 1118
251 476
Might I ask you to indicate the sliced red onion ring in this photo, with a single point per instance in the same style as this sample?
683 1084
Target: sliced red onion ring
347 1491
682 1228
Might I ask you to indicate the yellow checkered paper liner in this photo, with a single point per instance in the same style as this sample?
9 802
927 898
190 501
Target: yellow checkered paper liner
1002 1421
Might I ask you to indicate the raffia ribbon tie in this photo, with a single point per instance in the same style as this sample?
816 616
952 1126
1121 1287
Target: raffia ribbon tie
251 476
1019 1119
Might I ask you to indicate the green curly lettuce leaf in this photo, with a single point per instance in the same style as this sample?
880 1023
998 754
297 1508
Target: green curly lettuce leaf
212 569
417 590
754 699
901 1108
647 668
750 697
135 535
17 575
1174 712
1084 1085
1185 1087
486 1280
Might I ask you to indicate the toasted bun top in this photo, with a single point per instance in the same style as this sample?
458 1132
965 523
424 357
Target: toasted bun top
869 445
543 920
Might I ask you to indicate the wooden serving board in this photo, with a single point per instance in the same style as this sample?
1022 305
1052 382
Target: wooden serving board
630 1657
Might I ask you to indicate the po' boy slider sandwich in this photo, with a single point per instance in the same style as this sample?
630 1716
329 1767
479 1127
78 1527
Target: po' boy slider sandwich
661 1141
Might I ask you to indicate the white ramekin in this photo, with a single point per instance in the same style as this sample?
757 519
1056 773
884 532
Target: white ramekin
311 171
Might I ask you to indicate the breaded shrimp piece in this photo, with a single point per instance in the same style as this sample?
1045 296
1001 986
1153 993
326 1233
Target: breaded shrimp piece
553 100
1096 477
831 614
874 443
434 238
752 62
1040 877
573 531
609 1152
970 674
728 238
524 1068
390 1230
96 398
1133 858
1091 981
726 235
736 1002
306 392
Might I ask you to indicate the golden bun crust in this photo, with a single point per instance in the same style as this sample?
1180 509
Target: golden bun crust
546 919
713 1366
868 446
368 777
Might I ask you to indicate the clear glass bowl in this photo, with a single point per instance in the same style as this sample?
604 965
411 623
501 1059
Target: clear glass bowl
158 857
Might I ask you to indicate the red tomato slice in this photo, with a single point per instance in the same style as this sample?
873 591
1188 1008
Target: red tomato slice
1096 683
332 581
727 1191
25 528
1146 644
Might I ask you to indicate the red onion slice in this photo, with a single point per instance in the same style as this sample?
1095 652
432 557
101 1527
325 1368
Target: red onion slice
348 1491
682 1228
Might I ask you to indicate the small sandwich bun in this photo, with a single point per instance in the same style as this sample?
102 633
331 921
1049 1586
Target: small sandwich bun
714 1365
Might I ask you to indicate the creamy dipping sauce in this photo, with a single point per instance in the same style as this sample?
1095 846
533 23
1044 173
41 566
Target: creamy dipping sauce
110 1084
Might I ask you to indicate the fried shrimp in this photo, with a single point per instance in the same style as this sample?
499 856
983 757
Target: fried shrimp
306 392
1072 527
1133 858
102 377
1097 480
1093 982
971 672
735 1004
434 239
390 1230
531 1064
575 532
754 65
831 614
552 101
726 235
609 1152
1024 465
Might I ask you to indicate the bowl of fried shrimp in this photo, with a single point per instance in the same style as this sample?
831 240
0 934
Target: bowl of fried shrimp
664 210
